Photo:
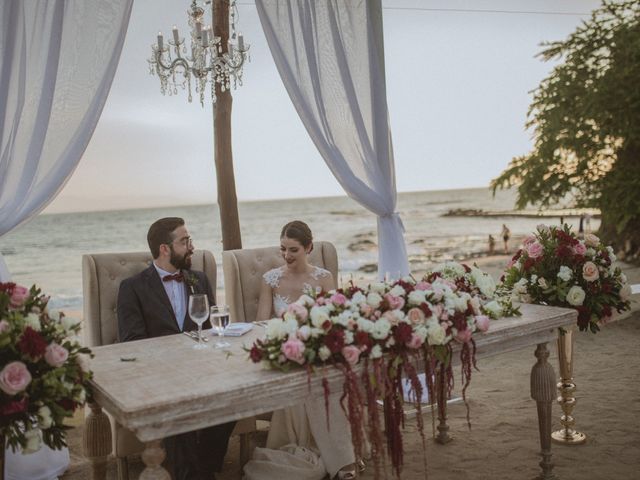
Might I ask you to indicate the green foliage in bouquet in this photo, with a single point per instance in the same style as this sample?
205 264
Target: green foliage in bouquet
43 370
555 267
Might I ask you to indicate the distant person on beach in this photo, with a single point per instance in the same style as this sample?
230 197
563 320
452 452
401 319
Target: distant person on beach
506 235
153 303
587 222
581 227
492 244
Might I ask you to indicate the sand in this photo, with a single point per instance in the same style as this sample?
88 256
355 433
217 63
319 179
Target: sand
503 442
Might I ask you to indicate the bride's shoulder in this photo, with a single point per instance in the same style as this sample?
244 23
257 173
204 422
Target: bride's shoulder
319 272
273 276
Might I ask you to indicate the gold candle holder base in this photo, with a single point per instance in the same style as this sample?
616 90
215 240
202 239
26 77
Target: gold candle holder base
566 388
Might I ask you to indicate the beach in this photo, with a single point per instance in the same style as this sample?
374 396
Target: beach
503 441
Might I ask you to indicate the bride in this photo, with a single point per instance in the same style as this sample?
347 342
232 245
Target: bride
299 445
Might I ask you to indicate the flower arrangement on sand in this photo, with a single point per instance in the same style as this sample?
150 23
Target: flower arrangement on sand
43 370
555 267
385 330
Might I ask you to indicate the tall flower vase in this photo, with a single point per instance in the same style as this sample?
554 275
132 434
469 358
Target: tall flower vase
567 435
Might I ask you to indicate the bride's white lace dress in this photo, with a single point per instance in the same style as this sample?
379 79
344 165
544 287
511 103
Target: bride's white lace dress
299 444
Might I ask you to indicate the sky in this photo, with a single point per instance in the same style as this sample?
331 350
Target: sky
459 81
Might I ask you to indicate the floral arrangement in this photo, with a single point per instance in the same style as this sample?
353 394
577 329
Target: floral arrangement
43 370
387 328
555 267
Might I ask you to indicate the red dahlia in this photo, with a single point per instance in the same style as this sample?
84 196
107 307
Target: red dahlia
31 343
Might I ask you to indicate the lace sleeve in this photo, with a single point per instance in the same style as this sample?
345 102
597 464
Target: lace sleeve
272 277
319 273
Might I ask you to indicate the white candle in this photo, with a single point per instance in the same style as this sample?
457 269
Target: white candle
240 42
176 36
160 43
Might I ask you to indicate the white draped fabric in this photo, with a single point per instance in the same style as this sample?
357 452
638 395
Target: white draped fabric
57 61
330 56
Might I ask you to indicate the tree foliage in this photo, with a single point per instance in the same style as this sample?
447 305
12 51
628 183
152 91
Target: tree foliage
586 121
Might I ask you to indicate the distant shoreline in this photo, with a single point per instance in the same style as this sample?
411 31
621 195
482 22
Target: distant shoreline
554 213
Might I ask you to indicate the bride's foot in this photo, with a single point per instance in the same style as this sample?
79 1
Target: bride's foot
346 473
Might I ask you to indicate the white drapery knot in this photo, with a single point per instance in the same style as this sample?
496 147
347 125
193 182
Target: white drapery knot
394 216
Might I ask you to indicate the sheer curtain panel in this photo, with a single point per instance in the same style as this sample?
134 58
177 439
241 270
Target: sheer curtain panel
330 56
57 62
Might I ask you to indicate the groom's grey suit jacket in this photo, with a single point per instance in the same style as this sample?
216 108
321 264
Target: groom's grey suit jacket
144 309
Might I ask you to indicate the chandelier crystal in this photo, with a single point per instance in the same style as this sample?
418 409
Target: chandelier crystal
209 63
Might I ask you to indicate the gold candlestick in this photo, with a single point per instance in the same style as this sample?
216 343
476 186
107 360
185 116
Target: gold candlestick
567 435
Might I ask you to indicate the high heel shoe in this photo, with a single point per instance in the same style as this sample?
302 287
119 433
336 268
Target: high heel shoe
349 474
360 465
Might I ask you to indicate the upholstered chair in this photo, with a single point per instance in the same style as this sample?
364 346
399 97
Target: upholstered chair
243 270
101 277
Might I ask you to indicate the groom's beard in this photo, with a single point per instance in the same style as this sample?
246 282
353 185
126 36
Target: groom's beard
181 262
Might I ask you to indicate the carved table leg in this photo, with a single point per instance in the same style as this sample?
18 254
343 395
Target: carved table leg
543 392
96 441
152 457
441 397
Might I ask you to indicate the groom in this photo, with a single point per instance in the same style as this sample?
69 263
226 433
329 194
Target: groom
154 303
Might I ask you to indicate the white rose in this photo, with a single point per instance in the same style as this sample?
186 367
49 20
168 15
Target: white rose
625 292
436 334
318 316
520 286
324 353
381 329
590 272
417 297
275 329
590 240
304 332
34 441
376 351
374 300
54 315
453 269
565 273
542 228
316 332
612 255
378 287
44 417
494 309
343 318
358 298
32 320
590 253
575 296
365 325
623 278
484 282
398 291
68 323
84 362
305 301
421 331
348 337
81 396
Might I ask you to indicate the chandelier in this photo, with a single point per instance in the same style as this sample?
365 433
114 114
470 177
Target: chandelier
210 62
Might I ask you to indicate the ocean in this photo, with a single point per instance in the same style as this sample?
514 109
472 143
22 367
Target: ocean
48 250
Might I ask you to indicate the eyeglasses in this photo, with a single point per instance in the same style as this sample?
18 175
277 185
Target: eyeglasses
185 242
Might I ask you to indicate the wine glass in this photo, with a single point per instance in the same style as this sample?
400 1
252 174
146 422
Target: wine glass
219 321
199 311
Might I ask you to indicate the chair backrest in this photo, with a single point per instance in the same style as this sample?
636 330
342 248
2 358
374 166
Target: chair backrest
243 270
101 277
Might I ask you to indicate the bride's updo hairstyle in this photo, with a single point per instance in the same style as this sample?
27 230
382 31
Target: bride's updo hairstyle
300 231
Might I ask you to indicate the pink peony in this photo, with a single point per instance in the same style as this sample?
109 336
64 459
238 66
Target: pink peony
55 355
14 378
590 272
293 349
299 311
579 249
535 250
320 301
338 299
4 326
394 302
463 336
415 342
351 354
482 322
423 286
416 316
18 296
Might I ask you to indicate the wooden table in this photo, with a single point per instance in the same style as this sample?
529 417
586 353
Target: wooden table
171 388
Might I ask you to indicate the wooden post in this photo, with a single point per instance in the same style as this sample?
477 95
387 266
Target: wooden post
227 199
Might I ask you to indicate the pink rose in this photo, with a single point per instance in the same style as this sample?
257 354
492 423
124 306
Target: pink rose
394 302
391 317
4 326
351 354
591 240
423 286
299 311
579 249
14 378
366 310
320 301
463 336
535 250
293 349
415 342
416 316
55 355
529 240
482 322
18 296
590 272
338 299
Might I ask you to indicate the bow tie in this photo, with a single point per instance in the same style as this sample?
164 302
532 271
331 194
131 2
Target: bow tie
178 277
